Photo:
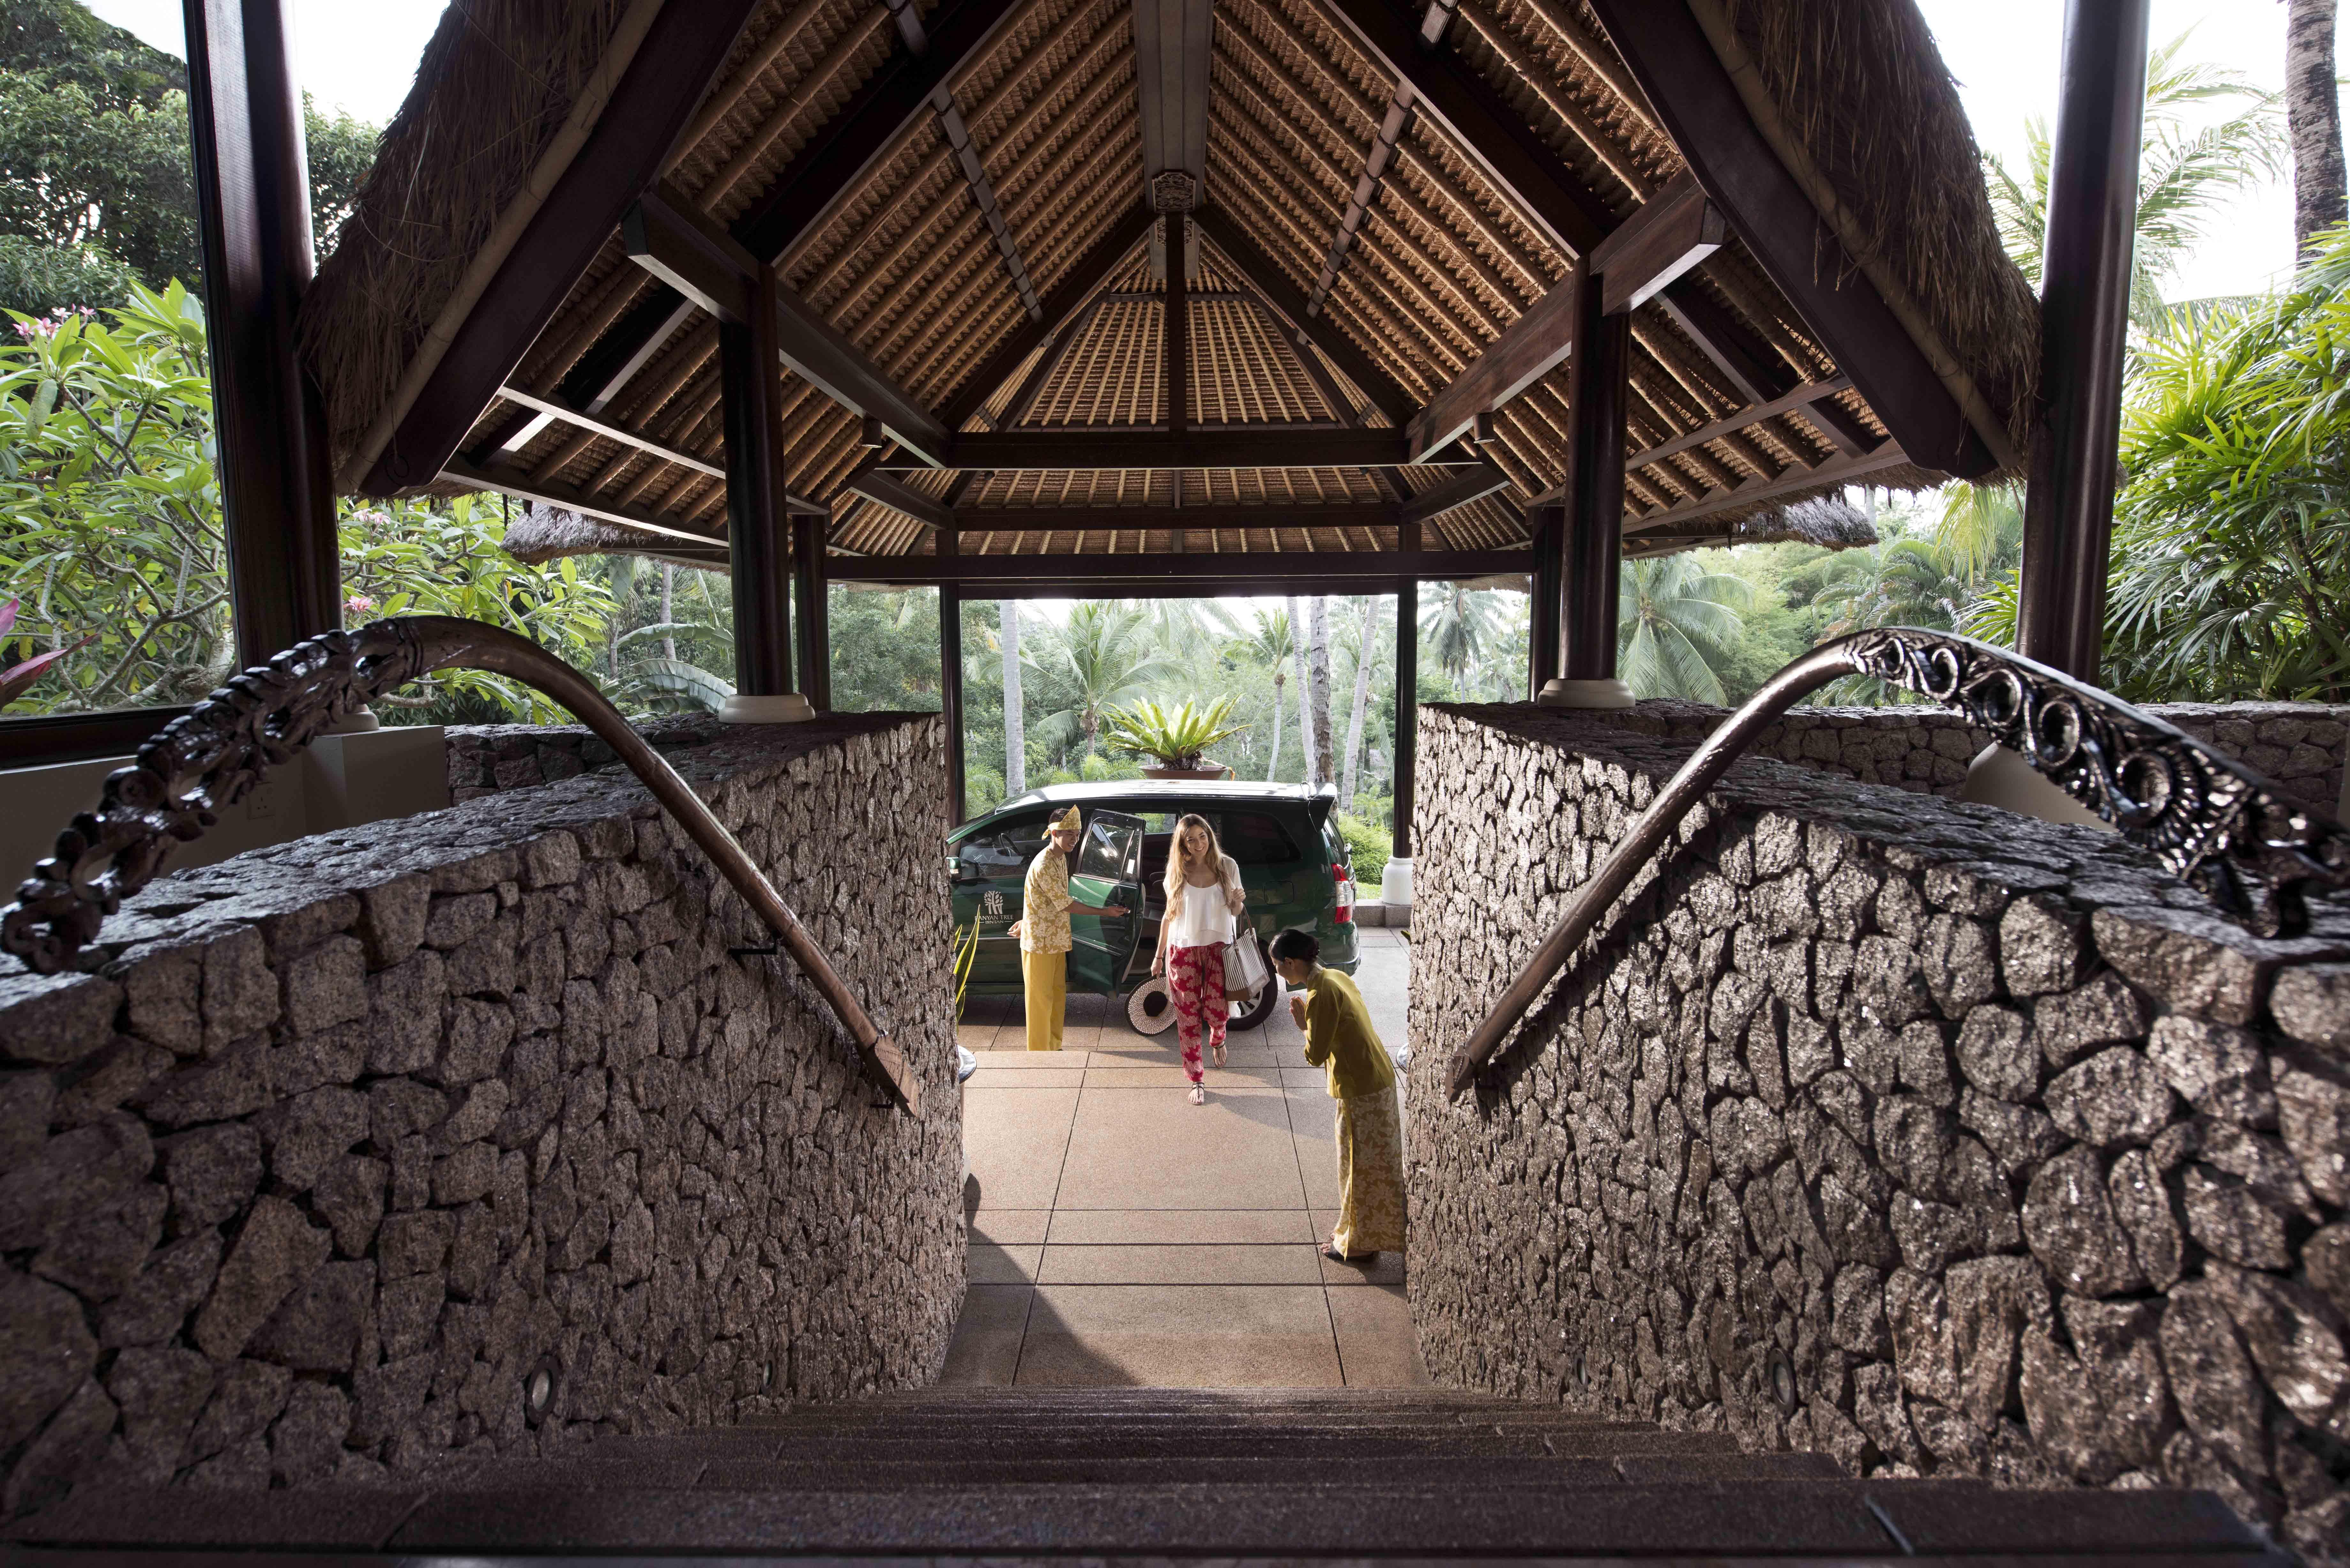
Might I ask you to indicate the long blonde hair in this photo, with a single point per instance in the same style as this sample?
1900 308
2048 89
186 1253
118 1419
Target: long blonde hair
1178 856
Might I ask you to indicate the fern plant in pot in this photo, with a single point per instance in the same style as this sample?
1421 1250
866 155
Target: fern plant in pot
1175 739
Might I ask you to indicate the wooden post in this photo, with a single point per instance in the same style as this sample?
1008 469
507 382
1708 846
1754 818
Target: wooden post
1176 328
950 681
2068 514
1591 560
1406 712
756 523
1543 607
814 584
253 196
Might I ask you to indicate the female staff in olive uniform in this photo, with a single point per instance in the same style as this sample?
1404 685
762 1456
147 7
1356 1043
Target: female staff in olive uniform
1043 929
1339 1037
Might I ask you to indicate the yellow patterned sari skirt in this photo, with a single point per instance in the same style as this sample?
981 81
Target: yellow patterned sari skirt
1045 978
1370 1176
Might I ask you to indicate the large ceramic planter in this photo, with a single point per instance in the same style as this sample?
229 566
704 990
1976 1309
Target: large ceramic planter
1214 771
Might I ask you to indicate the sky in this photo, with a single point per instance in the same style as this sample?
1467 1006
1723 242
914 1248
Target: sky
2005 54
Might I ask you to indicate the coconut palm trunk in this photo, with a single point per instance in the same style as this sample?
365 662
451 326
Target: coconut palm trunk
669 610
1273 765
1317 658
1015 734
2313 104
1304 691
1363 662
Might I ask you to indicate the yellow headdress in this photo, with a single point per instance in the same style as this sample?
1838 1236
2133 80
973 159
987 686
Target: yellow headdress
1072 822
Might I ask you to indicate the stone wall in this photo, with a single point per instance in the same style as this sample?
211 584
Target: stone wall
2299 745
348 1142
1933 1138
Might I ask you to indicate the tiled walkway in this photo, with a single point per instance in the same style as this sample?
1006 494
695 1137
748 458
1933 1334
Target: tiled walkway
1125 1236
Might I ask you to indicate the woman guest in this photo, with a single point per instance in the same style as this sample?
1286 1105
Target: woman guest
1339 1038
1204 897
1043 929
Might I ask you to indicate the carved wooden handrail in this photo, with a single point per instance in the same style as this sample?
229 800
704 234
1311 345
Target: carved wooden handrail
200 764
2206 817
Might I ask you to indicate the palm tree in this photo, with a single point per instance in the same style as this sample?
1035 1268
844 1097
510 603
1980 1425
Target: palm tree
1676 617
1903 582
2184 174
1365 654
1102 658
2313 117
1317 662
1015 734
1456 624
1268 644
1306 740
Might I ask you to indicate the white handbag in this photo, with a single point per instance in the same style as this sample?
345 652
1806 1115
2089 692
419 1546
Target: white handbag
1244 970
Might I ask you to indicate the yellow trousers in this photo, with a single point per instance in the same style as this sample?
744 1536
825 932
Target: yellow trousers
1045 977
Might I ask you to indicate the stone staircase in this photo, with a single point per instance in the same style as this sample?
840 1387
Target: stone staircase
1296 1474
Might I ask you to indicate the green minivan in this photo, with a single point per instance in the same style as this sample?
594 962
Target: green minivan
1293 866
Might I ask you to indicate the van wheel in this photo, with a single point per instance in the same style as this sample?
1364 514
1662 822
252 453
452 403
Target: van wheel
1252 1014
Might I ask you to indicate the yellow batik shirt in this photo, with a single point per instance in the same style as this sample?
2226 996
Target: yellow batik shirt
1045 900
1339 1037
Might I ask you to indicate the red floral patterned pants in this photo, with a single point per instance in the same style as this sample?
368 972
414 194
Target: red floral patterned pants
1195 978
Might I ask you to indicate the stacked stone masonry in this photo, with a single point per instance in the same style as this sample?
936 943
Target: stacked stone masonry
466 1132
1937 1139
2299 745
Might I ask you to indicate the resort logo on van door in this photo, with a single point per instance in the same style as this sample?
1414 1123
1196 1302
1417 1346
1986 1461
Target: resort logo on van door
990 905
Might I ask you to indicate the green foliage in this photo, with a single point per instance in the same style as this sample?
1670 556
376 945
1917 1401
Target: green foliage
1102 656
1676 621
1176 737
51 280
1370 847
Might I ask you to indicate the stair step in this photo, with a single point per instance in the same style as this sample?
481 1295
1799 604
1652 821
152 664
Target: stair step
1271 1446
1778 1516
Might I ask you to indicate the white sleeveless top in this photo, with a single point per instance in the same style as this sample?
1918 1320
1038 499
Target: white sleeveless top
1200 916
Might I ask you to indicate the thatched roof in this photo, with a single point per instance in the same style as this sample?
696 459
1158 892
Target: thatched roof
543 533
939 282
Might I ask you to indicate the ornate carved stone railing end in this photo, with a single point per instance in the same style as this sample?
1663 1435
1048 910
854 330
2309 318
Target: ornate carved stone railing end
199 766
2207 818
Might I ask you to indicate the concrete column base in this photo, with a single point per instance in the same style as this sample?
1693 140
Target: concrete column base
2002 778
786 707
1560 693
360 720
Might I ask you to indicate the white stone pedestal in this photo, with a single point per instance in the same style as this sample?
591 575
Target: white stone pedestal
2002 778
1560 693
788 708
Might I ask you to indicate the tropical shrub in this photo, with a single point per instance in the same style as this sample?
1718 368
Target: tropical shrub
1176 737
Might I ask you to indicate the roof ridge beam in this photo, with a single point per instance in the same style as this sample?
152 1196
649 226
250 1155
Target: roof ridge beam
982 195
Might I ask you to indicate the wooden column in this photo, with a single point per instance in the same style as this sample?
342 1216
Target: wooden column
253 197
1543 608
951 682
756 523
1407 714
2085 322
1178 326
1591 559
814 587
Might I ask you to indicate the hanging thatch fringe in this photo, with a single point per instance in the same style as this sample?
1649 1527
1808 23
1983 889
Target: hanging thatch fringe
458 174
543 533
1903 193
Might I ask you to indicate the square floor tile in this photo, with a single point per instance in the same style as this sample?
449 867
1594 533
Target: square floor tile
1017 1139
1200 1337
985 1350
1160 1227
1287 1263
1152 1148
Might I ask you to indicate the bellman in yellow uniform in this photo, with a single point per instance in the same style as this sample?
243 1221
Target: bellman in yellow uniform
1043 932
1339 1039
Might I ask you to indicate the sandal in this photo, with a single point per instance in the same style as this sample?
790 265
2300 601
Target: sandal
1199 1093
1216 1053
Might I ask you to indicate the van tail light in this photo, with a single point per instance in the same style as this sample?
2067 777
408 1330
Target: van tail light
1346 914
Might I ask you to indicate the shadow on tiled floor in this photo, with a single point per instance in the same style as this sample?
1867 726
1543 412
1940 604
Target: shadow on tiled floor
1122 1236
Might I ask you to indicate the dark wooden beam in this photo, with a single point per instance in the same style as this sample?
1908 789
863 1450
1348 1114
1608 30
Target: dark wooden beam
1096 519
950 698
1407 714
2068 519
1800 399
1270 282
514 482
1669 56
1548 526
882 489
865 129
811 584
1674 230
1085 274
1829 475
1257 447
1175 331
983 574
276 483
609 431
983 192
1171 44
757 524
1377 161
602 373
1473 484
670 236
1530 348
1591 558
624 153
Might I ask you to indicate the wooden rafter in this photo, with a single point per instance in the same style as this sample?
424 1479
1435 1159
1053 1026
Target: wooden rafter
1223 447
